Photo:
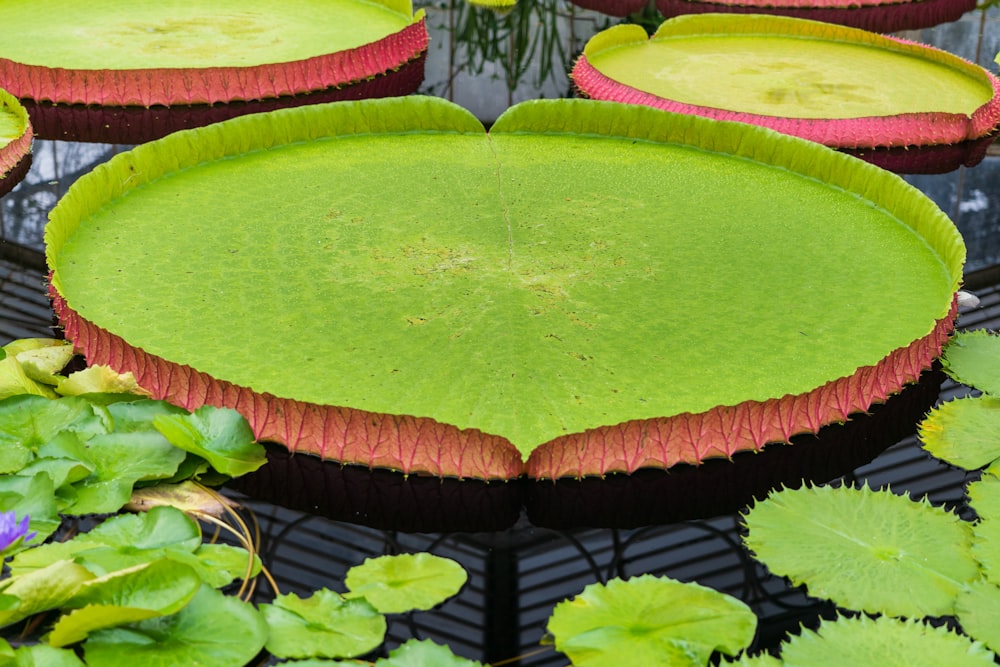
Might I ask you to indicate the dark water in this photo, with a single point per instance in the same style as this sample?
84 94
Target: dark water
528 545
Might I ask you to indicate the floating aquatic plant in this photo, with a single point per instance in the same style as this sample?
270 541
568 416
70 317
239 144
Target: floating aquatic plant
795 76
189 52
527 330
405 582
866 550
652 620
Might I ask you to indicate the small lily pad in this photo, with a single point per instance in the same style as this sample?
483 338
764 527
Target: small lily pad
978 609
963 432
652 620
973 358
324 625
414 653
886 642
404 582
984 497
867 550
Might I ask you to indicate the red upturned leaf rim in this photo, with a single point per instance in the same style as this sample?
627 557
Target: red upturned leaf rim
16 154
878 16
612 7
148 87
397 442
906 129
423 445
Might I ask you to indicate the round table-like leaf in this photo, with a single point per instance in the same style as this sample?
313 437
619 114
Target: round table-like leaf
867 550
839 86
15 141
188 52
608 287
653 621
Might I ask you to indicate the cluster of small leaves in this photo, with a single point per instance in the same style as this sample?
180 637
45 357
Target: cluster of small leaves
898 558
146 587
66 454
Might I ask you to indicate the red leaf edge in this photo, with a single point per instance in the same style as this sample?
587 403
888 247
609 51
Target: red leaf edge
183 86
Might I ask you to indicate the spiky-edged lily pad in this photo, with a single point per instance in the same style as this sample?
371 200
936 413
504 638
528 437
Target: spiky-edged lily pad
652 620
190 52
404 582
884 641
963 432
40 655
213 630
839 86
984 497
15 141
978 609
323 625
757 660
973 358
867 550
414 653
443 300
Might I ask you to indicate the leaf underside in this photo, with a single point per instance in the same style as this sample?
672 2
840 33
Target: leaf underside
504 292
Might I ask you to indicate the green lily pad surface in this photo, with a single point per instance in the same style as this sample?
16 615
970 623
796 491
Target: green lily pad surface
426 296
836 85
184 49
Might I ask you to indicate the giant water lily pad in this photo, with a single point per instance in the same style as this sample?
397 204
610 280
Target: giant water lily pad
842 87
15 141
598 286
188 52
877 15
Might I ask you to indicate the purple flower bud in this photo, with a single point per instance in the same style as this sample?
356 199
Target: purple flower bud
11 531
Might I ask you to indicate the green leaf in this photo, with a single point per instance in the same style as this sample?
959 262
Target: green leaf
40 655
963 432
218 565
978 609
213 630
758 660
324 625
652 620
42 364
867 550
160 527
47 588
885 642
120 460
97 380
984 497
414 653
15 382
151 589
973 358
404 582
33 420
219 435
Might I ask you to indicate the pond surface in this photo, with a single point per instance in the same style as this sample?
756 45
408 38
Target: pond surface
528 546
